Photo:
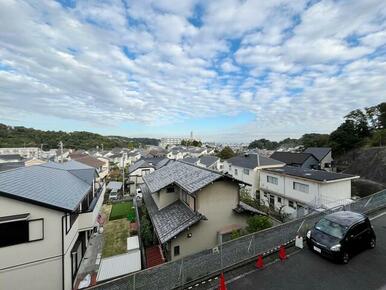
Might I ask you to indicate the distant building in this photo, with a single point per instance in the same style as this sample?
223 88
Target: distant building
324 156
26 152
303 160
170 141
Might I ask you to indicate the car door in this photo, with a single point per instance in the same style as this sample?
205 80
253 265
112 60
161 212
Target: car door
358 236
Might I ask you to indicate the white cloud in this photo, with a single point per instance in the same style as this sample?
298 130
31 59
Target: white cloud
289 64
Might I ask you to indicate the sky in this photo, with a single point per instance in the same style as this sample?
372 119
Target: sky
228 70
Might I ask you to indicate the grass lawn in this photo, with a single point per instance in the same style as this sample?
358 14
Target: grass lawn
122 210
115 234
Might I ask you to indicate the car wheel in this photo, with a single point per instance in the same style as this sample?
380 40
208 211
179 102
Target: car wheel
372 243
345 258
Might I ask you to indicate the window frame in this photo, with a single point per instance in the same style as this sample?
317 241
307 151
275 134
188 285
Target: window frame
272 179
300 187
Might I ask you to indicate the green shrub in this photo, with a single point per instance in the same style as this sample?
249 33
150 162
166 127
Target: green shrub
257 223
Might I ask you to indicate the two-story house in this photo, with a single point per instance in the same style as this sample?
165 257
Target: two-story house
297 191
303 160
141 168
324 156
247 168
48 213
191 208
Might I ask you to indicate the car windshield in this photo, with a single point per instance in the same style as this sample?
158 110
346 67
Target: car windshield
330 228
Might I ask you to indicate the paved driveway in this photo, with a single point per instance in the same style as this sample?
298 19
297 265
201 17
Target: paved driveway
306 270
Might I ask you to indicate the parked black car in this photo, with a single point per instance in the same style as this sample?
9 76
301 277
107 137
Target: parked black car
340 235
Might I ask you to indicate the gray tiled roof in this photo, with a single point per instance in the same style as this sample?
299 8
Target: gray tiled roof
189 177
53 185
139 164
292 158
251 161
171 220
317 175
80 170
318 152
191 160
208 160
11 165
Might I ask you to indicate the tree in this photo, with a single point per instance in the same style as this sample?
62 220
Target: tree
314 140
226 153
360 122
257 223
146 229
382 115
344 138
263 144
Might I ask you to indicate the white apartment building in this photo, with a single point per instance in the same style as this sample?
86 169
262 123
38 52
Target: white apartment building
48 213
26 152
170 141
297 191
247 168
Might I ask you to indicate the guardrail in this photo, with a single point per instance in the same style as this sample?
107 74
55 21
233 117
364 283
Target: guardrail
208 263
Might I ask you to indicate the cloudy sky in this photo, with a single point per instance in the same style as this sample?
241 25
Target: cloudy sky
229 70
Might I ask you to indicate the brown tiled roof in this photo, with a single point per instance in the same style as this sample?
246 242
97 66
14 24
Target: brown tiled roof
89 160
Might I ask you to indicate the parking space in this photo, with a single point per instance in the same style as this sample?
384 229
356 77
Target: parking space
307 270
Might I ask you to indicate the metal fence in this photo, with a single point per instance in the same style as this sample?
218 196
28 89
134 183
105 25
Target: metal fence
210 262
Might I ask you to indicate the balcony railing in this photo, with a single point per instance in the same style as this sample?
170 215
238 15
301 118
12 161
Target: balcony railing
88 217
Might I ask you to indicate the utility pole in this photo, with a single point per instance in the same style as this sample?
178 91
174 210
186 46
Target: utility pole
61 151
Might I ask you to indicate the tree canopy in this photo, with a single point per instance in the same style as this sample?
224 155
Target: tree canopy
28 137
360 127
226 153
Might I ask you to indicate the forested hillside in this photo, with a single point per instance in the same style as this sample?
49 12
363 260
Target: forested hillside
28 137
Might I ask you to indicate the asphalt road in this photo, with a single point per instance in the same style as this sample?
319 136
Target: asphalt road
307 270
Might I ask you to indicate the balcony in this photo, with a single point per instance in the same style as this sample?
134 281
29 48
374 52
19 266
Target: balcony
88 217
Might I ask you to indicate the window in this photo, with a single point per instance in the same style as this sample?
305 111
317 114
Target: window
258 195
265 194
170 189
145 172
301 187
13 233
358 229
176 250
291 204
235 171
246 171
273 180
279 199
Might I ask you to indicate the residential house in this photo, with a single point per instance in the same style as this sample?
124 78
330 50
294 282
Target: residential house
197 151
34 161
324 156
141 168
192 208
176 154
303 160
191 160
210 162
99 165
48 213
297 191
11 161
247 168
